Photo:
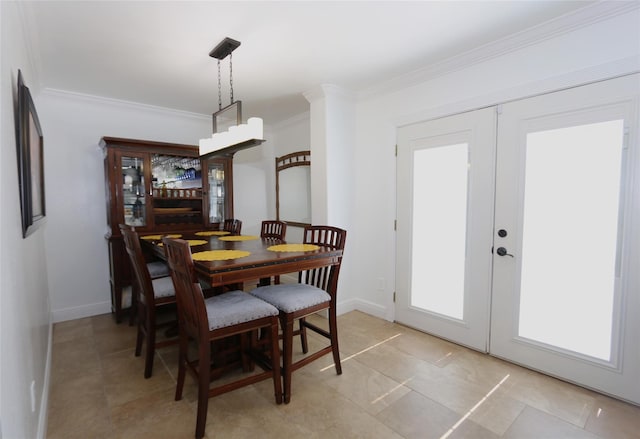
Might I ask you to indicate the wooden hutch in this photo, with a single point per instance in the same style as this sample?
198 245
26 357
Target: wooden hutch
159 188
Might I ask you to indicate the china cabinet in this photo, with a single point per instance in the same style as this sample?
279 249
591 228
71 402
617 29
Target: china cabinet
159 188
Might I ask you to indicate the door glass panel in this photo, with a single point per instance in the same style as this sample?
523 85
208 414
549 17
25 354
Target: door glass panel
215 174
570 231
439 229
133 188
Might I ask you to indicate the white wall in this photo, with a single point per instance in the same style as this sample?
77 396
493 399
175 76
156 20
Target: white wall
571 55
24 297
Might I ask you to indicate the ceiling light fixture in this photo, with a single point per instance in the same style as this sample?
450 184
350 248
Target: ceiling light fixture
229 133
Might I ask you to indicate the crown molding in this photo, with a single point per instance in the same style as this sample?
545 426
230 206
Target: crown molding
122 103
328 90
587 16
293 120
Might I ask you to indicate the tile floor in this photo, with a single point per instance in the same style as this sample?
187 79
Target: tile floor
396 383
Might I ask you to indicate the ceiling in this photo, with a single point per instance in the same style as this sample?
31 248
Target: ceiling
157 53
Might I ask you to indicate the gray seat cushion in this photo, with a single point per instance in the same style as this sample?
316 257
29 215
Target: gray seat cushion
292 297
236 307
163 287
158 269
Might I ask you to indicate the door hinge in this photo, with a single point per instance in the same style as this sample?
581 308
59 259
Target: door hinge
394 297
395 225
396 150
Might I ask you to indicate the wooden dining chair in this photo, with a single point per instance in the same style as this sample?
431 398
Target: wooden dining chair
273 230
316 290
233 226
153 294
217 318
156 269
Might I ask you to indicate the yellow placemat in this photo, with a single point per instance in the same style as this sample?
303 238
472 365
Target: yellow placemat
238 238
219 255
192 242
213 233
159 237
293 248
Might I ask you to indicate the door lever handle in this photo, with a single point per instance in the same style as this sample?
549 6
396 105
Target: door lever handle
503 252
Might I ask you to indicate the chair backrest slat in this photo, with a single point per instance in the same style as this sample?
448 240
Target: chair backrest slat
233 226
192 312
325 278
138 263
273 230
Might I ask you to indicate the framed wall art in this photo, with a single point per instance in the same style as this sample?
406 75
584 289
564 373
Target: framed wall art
30 161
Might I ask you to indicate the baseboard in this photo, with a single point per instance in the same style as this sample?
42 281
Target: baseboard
79 312
362 305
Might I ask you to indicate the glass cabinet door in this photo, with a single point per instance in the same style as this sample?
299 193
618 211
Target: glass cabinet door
216 192
133 190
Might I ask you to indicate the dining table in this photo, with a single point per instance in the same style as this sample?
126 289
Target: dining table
222 259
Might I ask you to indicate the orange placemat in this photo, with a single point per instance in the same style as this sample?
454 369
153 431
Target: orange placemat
192 242
213 233
238 238
219 255
159 237
293 248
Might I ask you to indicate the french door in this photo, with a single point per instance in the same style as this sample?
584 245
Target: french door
546 273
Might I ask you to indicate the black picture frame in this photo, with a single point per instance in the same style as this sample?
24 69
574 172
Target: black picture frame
30 149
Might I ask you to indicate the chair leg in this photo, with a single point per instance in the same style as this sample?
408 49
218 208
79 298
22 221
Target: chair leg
275 362
287 358
204 365
333 331
303 335
182 365
141 331
150 351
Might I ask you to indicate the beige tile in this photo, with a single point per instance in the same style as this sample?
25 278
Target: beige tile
124 378
415 416
114 338
496 413
359 425
558 398
316 406
73 358
432 349
78 409
72 329
370 389
245 413
155 415
391 361
613 418
534 424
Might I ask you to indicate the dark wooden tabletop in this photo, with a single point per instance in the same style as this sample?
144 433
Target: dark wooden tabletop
260 263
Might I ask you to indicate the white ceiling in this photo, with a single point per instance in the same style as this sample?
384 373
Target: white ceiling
157 53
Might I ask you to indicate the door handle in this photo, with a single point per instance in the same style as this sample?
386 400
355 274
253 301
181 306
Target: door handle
503 252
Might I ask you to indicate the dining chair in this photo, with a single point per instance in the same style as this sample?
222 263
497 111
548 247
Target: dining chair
272 229
152 295
275 230
156 269
233 226
218 318
316 290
